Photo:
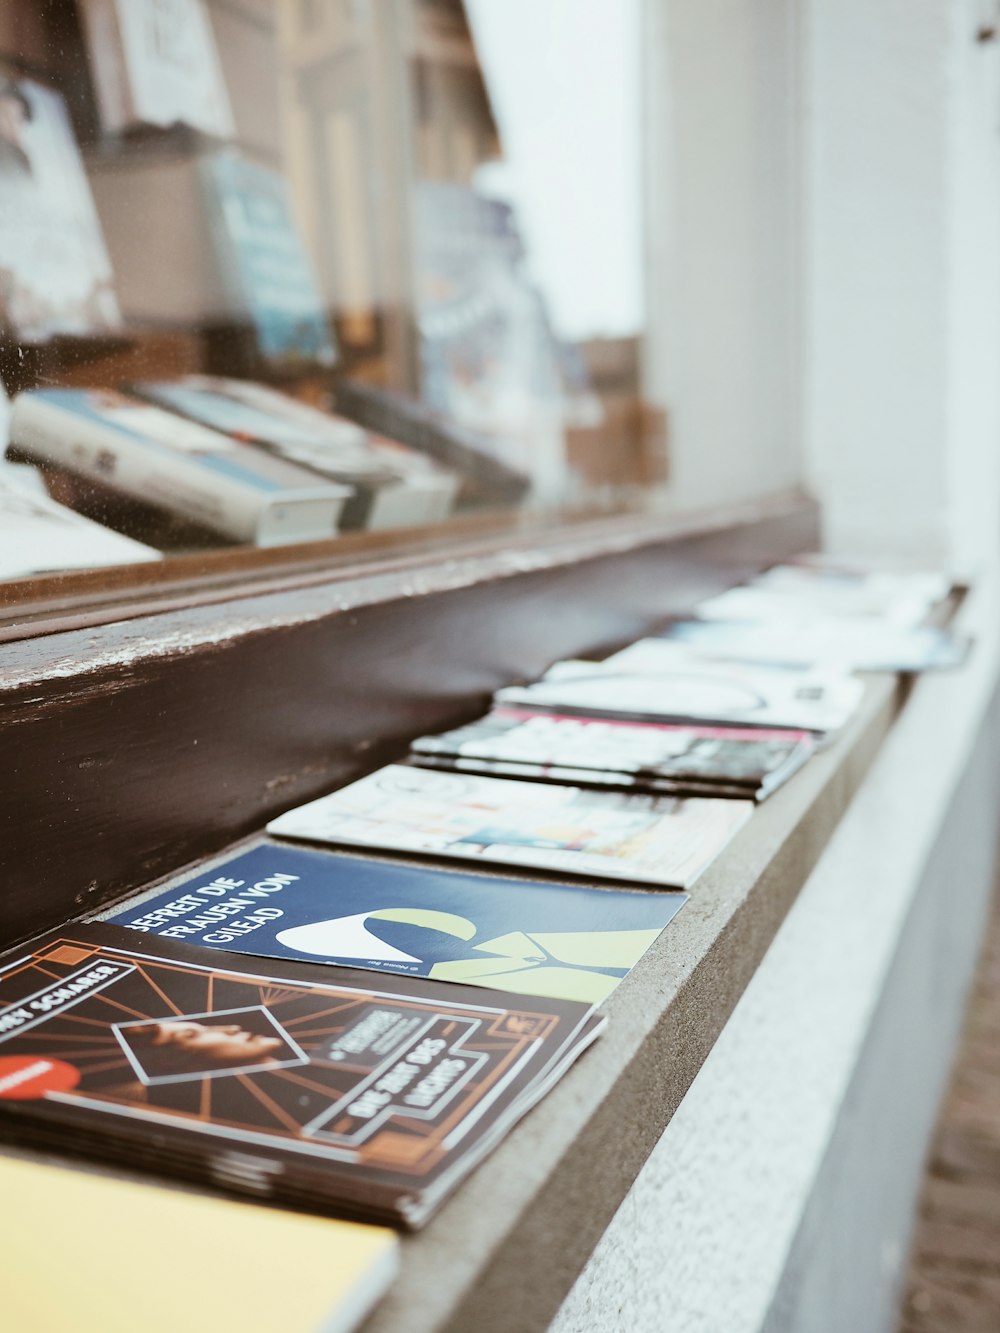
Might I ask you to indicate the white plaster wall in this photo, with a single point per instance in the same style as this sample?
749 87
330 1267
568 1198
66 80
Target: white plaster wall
973 430
722 163
901 280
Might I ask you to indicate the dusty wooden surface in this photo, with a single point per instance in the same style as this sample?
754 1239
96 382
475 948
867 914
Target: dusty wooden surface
954 1280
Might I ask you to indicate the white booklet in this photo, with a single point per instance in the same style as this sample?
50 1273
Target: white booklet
851 643
645 839
38 536
791 592
655 680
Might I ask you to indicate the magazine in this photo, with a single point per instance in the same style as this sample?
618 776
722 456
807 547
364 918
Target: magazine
286 1081
55 275
598 834
655 680
277 901
613 752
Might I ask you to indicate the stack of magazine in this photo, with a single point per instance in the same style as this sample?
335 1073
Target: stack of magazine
351 1026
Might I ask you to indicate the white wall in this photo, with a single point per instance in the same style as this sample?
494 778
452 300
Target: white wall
901 276
722 175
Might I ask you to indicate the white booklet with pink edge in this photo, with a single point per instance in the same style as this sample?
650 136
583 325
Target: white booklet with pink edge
659 681
659 840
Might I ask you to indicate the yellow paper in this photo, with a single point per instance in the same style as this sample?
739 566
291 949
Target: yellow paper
85 1251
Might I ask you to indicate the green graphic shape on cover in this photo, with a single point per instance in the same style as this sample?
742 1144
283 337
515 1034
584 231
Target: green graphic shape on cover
282 902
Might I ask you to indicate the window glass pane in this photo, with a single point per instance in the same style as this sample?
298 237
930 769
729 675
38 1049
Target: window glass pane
275 272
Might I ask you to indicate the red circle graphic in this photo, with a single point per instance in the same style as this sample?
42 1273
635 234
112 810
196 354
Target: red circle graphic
26 1077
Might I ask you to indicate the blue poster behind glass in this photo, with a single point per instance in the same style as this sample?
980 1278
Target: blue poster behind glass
533 938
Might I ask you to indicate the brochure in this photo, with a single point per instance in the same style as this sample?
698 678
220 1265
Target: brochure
655 680
286 902
614 752
599 834
287 1081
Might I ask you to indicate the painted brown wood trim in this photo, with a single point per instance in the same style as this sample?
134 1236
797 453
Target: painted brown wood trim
132 748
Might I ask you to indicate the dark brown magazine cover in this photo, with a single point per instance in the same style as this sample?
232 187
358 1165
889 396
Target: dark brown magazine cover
301 1083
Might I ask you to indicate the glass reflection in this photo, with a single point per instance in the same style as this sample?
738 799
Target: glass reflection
276 271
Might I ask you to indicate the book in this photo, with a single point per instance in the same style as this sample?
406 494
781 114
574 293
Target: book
391 485
486 480
155 63
657 681
282 1080
55 274
38 536
47 1284
857 643
206 239
658 840
231 488
641 756
277 901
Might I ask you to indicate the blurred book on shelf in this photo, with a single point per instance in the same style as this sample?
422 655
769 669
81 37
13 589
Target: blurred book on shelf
393 486
230 487
486 479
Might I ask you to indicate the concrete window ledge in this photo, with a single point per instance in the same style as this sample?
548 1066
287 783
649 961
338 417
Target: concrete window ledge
779 1194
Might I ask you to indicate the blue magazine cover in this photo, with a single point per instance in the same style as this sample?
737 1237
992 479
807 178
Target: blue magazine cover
274 901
